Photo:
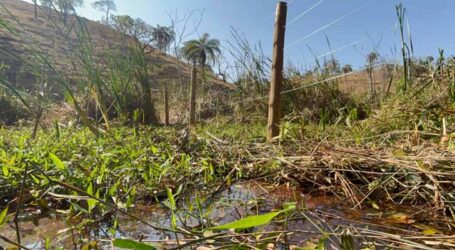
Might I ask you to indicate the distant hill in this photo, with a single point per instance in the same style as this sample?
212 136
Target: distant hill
50 37
358 83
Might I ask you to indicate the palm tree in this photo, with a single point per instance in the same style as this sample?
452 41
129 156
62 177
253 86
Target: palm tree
371 60
347 68
441 62
163 36
201 50
332 66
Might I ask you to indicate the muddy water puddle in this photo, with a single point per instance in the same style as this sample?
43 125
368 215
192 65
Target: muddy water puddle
323 213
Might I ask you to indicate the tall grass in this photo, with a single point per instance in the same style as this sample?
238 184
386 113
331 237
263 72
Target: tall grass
89 80
38 57
407 47
250 65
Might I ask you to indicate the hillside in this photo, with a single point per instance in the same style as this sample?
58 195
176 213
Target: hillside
358 82
49 36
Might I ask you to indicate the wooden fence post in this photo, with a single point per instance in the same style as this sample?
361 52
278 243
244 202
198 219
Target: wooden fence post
192 119
273 127
166 105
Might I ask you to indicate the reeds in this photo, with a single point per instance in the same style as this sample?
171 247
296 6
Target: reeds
88 79
407 47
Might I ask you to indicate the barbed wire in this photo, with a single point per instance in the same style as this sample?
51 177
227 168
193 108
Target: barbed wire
316 57
332 78
352 44
272 14
330 24
305 13
302 86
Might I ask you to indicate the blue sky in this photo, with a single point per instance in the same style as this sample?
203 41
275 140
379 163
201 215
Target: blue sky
431 22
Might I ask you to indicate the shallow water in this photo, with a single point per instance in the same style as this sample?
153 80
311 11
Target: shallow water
325 213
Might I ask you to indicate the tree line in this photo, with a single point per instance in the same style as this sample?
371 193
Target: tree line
197 51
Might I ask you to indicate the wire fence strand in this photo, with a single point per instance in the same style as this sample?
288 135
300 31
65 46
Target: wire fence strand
305 13
328 53
302 86
330 24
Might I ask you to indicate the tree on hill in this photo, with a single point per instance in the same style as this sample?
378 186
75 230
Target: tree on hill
106 6
123 23
35 2
137 29
66 7
142 32
49 5
163 37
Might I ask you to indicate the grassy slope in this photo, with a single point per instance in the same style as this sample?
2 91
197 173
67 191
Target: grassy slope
52 41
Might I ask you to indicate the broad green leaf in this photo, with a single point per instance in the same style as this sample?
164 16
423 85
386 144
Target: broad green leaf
91 202
3 216
173 207
58 163
5 170
48 243
131 244
322 241
347 241
252 221
90 189
171 198
113 189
